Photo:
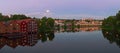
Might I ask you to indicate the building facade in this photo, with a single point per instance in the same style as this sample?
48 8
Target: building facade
18 26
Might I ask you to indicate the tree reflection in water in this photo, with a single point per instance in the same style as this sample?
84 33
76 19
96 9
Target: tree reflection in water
31 39
44 36
112 35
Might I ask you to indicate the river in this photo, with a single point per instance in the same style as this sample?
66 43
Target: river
80 41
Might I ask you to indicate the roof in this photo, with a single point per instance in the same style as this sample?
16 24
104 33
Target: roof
19 21
6 23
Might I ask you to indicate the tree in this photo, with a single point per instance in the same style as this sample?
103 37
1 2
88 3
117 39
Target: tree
13 17
110 21
1 17
47 24
43 25
73 23
4 18
18 17
118 15
50 23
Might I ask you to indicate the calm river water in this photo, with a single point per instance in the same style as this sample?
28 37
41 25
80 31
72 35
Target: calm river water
82 41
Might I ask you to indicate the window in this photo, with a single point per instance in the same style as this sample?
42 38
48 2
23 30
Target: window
14 28
17 24
11 24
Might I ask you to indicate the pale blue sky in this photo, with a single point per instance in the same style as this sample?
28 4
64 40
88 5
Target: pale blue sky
61 8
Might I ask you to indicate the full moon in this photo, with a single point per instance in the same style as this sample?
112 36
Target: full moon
47 11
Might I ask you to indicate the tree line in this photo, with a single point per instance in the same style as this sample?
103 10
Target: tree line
46 24
13 17
112 21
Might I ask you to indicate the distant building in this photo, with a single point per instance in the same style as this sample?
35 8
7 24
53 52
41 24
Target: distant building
61 22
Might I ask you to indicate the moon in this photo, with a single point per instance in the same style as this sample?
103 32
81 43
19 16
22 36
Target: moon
47 11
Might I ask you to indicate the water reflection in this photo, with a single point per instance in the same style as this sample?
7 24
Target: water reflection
25 39
113 35
46 36
15 40
81 29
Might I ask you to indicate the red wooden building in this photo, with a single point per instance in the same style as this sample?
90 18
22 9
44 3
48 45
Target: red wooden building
18 26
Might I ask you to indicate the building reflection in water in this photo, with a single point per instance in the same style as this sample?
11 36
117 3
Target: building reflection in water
14 41
81 29
25 39
112 35
31 39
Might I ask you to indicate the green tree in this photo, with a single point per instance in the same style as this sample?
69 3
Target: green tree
13 17
73 23
18 17
118 15
4 18
47 24
50 23
118 18
43 25
110 21
1 17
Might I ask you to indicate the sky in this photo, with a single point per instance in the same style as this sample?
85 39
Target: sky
70 9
